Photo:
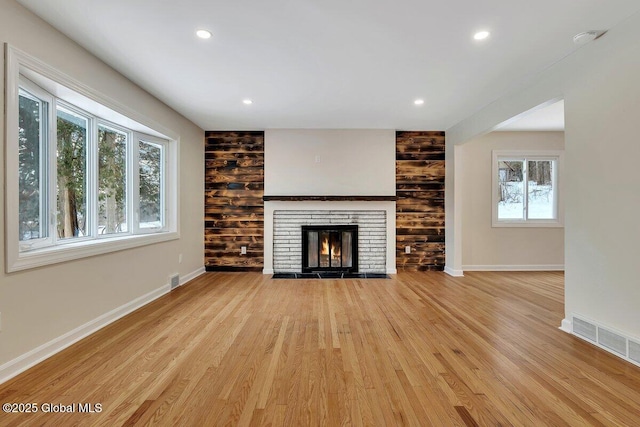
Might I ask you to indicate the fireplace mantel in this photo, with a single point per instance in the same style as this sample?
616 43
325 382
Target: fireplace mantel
329 198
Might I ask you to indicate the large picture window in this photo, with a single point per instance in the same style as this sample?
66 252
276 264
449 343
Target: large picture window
526 189
82 178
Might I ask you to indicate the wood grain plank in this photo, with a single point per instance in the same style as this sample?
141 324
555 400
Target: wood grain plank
234 187
420 173
417 349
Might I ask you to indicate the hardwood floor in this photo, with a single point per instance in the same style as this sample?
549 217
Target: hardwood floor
418 349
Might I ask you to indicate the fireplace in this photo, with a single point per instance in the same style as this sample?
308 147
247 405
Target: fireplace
329 248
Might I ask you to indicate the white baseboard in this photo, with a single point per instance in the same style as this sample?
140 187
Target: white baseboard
455 273
566 326
267 271
550 267
192 275
392 271
46 350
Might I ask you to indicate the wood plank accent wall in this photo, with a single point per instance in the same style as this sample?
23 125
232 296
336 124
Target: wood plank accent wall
420 200
233 206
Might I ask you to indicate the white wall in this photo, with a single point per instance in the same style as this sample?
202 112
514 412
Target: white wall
330 162
601 89
502 248
41 305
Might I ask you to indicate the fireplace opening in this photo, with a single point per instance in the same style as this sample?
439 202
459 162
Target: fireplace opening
329 248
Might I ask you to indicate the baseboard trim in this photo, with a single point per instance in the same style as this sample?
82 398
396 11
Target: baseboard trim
566 326
624 353
267 271
31 358
455 273
549 267
392 271
188 277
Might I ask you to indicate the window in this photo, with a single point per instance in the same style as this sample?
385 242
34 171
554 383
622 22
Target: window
82 178
526 190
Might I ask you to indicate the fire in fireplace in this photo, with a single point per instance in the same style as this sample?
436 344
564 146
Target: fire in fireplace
329 248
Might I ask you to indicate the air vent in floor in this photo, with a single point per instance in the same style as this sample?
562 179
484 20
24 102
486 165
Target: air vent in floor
617 343
612 341
584 329
634 351
175 281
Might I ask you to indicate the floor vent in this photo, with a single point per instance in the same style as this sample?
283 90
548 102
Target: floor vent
585 329
175 281
614 342
634 351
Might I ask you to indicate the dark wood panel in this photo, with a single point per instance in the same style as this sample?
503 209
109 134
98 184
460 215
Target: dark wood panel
428 194
415 240
235 212
211 231
420 186
235 170
230 177
419 222
420 173
234 187
331 198
211 239
227 155
234 268
234 224
228 246
212 214
236 260
432 155
233 193
236 148
238 202
233 163
423 247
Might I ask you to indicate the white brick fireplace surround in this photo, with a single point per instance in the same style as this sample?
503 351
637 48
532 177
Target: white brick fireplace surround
283 221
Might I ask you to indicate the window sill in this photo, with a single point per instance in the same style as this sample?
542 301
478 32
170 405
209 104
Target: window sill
527 224
72 251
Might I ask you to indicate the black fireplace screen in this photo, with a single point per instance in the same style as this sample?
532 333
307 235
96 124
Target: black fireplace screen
330 248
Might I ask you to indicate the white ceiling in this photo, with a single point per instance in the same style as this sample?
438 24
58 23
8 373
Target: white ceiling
543 118
329 63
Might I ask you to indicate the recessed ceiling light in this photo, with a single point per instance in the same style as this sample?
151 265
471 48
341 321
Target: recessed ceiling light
481 35
203 34
247 101
419 102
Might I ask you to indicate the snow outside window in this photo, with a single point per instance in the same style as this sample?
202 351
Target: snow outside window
526 189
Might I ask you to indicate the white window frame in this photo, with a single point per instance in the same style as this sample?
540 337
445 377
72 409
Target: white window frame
164 213
129 168
24 70
530 155
47 188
